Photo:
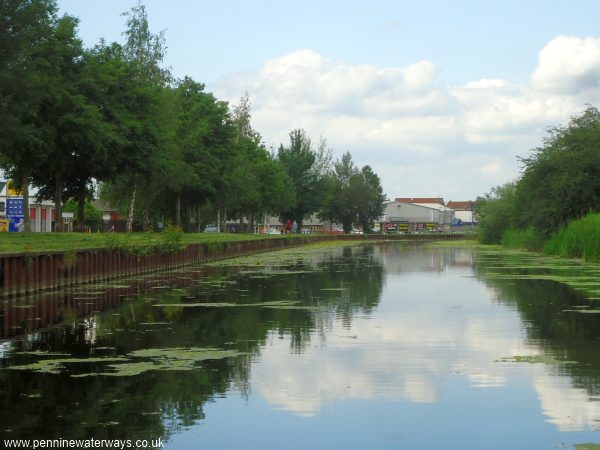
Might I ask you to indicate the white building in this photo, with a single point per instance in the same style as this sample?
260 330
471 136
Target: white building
412 217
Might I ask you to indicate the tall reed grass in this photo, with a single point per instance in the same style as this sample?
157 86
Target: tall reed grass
578 239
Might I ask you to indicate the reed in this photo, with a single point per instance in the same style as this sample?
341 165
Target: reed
578 239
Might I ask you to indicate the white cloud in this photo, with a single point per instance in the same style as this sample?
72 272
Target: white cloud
568 65
491 168
405 118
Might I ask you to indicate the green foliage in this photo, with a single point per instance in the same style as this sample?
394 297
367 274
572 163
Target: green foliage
172 239
307 168
353 197
522 238
495 213
93 216
579 239
561 180
160 149
560 183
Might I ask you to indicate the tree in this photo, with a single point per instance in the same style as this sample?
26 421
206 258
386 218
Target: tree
258 183
495 213
30 51
145 51
83 134
202 142
370 199
561 180
353 196
307 168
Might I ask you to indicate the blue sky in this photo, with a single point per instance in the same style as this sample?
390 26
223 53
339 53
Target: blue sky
439 97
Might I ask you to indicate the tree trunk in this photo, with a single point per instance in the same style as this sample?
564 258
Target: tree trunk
178 209
146 219
81 194
25 190
223 226
131 209
188 218
58 203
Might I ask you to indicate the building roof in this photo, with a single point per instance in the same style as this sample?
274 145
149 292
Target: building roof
462 205
435 200
433 206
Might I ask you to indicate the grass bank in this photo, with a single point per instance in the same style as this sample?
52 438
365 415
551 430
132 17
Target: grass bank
51 242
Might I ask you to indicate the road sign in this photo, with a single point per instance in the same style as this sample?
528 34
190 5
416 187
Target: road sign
14 211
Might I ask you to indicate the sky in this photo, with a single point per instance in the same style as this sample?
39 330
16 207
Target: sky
440 98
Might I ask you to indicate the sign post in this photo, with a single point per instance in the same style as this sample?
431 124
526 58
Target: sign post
14 212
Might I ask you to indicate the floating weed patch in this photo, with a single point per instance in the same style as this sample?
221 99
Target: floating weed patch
536 359
278 303
147 324
297 307
588 446
167 359
40 353
136 362
279 257
580 276
125 369
56 366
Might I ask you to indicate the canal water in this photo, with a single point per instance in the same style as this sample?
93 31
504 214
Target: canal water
387 346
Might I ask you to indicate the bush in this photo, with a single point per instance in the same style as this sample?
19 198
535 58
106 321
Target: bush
172 237
527 238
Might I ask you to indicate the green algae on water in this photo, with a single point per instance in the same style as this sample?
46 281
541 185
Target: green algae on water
277 303
536 359
165 359
136 362
56 366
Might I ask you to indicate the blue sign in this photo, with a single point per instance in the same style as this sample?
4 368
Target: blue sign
14 212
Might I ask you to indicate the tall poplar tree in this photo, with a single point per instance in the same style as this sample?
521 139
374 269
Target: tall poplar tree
145 51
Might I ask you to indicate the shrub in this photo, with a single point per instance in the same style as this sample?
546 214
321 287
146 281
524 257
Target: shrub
522 238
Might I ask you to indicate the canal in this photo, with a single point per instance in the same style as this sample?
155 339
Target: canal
379 346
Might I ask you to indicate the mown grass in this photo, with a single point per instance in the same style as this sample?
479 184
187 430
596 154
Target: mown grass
50 242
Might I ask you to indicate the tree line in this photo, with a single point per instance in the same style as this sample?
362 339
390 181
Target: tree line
76 122
559 183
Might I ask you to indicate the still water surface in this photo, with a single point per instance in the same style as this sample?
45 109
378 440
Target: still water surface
359 347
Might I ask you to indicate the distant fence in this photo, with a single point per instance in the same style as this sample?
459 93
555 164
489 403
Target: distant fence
33 272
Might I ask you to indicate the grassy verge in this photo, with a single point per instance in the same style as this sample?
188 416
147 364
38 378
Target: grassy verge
49 242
